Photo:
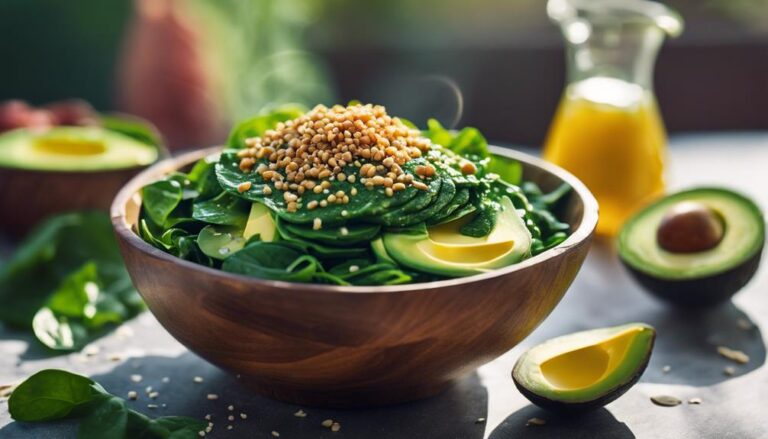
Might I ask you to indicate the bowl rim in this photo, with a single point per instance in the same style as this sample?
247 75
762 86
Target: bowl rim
582 233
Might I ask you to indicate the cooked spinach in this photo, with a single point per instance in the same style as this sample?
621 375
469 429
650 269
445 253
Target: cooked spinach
203 216
53 394
67 282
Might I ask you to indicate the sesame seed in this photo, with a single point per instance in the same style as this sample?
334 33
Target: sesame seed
154 395
353 268
197 379
275 434
335 427
230 408
212 396
136 378
300 414
317 224
242 187
243 416
201 433
166 380
152 406
327 423
229 427
344 231
133 395
230 418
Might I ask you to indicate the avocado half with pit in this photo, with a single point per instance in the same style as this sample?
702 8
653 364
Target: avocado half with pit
443 250
43 172
585 370
694 248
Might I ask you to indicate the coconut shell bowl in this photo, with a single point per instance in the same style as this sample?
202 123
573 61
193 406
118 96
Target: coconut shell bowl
338 346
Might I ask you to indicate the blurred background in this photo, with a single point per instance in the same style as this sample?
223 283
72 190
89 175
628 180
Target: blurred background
194 66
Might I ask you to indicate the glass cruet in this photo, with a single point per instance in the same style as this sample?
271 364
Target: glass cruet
607 129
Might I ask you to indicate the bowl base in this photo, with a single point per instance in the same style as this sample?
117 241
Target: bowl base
345 398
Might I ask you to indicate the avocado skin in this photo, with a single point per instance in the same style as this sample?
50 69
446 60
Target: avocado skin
699 292
565 408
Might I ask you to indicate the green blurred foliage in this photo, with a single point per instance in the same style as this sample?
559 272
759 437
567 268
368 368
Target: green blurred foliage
55 49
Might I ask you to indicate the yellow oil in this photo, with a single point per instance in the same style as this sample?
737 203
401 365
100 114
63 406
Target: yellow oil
609 134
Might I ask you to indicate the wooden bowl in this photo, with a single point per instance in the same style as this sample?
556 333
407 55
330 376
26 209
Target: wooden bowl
339 346
28 196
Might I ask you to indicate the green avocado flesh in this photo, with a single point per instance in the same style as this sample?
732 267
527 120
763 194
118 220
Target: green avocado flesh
443 250
744 235
73 149
585 369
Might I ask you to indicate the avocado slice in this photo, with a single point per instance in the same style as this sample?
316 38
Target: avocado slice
73 149
221 241
584 370
443 250
709 265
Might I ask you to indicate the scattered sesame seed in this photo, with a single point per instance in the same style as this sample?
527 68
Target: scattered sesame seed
208 417
243 416
344 231
201 433
536 422
230 418
197 379
300 414
230 408
353 268
166 380
148 389
317 224
133 395
327 423
153 395
152 406
666 369
212 396
733 355
729 371
480 420
275 434
229 427
694 401
335 427
136 378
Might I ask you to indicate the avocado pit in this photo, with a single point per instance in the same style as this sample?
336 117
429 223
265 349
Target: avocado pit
690 227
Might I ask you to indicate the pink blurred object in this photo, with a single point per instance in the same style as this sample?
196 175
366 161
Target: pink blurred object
72 112
18 114
162 77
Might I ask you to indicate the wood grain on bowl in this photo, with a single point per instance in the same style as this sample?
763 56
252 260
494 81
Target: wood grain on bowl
352 346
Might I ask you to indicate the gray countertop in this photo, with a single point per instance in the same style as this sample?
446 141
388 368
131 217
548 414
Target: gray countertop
602 295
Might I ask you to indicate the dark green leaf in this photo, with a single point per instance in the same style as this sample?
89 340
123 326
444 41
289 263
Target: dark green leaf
52 394
159 199
273 260
107 420
225 209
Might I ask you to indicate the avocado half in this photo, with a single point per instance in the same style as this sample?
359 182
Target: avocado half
699 278
43 172
584 370
444 251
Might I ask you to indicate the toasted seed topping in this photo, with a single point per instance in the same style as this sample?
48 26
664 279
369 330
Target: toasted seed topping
733 355
321 143
242 187
665 400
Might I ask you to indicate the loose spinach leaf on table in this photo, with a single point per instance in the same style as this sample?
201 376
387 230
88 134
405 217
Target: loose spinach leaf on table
52 394
67 281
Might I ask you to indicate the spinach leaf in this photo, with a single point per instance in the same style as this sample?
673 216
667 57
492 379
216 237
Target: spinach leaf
160 198
203 175
273 260
225 209
509 170
52 394
67 280
77 309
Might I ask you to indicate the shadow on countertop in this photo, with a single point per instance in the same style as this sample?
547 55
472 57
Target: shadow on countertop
598 423
452 414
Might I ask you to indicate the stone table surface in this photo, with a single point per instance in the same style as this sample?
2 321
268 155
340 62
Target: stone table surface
602 295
